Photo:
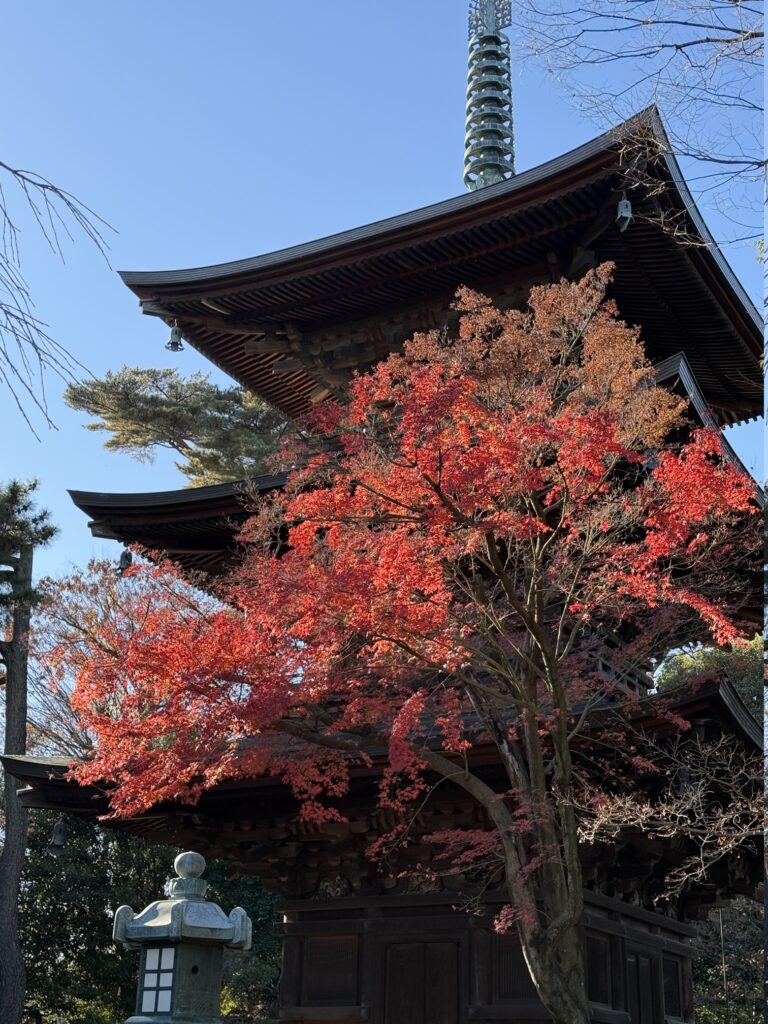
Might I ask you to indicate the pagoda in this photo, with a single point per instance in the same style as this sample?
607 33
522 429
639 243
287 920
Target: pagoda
390 947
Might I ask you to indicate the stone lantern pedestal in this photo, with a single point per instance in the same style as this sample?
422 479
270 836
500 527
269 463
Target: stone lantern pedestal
182 941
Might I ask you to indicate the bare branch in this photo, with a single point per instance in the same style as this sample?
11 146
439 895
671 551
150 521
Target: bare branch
28 353
698 61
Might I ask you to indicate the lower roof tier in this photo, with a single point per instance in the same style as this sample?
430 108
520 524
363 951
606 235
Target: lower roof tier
254 824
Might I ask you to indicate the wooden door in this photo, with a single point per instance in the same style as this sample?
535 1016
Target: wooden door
642 987
421 983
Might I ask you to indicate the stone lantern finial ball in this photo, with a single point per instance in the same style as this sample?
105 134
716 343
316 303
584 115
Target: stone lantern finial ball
189 865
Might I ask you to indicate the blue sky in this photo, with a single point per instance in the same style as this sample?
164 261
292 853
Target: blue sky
210 132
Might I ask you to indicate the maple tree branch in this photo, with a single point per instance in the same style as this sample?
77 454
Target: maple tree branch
530 622
384 497
291 728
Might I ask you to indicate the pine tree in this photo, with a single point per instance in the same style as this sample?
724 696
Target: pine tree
728 968
220 434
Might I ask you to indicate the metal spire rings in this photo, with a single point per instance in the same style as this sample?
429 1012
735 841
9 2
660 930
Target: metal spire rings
489 152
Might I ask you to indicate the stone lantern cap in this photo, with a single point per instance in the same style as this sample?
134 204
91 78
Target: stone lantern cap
186 916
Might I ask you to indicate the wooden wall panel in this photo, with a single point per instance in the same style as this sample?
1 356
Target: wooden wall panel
329 973
421 963
441 983
404 983
511 977
421 983
598 964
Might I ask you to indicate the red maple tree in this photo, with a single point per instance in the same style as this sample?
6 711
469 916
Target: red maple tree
497 511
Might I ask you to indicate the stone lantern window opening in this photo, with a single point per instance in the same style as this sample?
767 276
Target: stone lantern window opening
157 977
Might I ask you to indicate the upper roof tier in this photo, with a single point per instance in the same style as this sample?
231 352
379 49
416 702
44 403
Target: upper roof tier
291 325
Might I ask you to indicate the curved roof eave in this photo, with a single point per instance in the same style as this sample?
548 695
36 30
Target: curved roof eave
710 245
90 501
649 118
716 695
742 719
137 280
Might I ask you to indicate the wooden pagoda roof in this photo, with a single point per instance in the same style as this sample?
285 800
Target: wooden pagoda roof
265 320
254 823
713 701
196 527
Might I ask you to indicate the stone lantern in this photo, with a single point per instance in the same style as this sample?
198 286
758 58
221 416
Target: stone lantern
182 941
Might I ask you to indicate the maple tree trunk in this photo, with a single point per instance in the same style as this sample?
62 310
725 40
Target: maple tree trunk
15 659
554 955
557 971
